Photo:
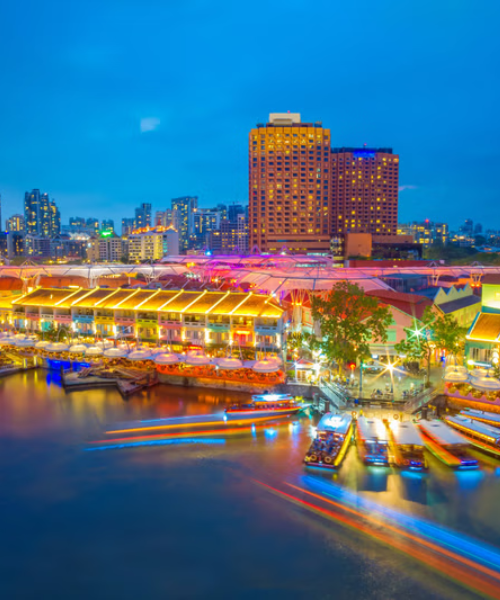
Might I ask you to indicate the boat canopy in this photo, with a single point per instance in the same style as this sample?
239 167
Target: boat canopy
479 414
272 398
406 433
477 426
372 429
336 422
442 433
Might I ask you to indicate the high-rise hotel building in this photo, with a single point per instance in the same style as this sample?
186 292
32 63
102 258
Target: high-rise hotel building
302 193
365 191
289 185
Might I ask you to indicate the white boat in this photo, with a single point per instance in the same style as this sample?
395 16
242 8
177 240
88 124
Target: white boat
373 441
407 445
447 444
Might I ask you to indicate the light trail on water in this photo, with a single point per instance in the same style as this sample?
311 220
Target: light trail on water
468 573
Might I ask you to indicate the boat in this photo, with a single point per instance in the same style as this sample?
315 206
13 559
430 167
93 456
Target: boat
265 406
482 436
407 445
484 417
333 435
373 441
447 444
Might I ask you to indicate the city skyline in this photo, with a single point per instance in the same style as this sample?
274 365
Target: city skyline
149 131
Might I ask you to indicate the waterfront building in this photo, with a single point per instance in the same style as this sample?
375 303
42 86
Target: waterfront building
153 244
183 210
37 246
289 185
15 223
143 216
182 318
364 191
483 338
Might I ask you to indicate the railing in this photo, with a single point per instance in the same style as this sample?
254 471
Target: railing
417 402
332 391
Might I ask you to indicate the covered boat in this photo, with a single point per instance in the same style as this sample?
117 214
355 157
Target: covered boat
407 445
333 435
265 406
484 417
482 436
373 441
447 444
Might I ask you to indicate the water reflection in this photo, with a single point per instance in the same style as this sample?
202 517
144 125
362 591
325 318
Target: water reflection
201 490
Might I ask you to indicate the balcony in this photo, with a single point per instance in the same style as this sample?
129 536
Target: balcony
218 326
127 321
82 318
267 329
45 317
195 324
33 316
63 318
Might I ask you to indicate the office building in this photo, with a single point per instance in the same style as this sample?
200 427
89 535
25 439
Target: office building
108 225
15 223
41 215
142 216
426 232
184 210
15 244
164 218
234 210
206 220
127 226
231 237
77 224
289 185
37 246
364 191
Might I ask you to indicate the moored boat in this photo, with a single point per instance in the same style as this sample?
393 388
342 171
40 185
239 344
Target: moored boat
407 445
372 440
265 406
482 436
484 417
333 435
447 444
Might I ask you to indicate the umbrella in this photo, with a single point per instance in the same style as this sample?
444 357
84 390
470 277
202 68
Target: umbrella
42 344
8 342
25 343
20 336
93 351
456 369
479 372
266 366
456 377
57 347
78 348
140 355
229 363
104 344
115 353
169 358
486 384
157 350
198 359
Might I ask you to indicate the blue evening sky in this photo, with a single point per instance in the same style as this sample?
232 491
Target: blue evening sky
108 103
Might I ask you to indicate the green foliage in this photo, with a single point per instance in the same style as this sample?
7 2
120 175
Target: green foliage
303 342
433 331
349 320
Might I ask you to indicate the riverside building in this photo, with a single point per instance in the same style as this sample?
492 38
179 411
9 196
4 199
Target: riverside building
180 318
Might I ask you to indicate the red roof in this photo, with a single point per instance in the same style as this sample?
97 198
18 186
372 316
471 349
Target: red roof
412 304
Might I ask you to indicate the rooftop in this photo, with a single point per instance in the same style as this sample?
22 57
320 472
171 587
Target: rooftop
485 328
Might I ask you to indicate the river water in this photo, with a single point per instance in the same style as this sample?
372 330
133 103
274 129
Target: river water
191 520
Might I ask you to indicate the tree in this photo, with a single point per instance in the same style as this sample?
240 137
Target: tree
302 342
431 332
349 320
448 335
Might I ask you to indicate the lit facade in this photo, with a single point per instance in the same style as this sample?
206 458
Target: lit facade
184 210
15 223
206 319
153 244
364 191
41 215
289 185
